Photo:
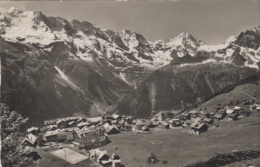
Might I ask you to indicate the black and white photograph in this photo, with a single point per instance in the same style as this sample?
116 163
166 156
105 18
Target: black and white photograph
130 83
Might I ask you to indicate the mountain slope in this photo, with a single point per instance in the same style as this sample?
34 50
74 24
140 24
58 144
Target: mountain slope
166 88
33 86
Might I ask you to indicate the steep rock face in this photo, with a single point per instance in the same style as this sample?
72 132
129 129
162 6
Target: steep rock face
101 84
237 58
32 86
191 84
249 38
115 37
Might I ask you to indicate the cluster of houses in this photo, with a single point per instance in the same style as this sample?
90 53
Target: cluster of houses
88 133
199 121
84 133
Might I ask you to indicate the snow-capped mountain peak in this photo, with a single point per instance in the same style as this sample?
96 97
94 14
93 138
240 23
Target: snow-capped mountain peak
215 48
125 47
183 36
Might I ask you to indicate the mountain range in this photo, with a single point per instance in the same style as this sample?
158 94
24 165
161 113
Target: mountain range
52 67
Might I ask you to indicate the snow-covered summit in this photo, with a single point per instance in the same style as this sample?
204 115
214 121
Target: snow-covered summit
126 47
215 48
184 39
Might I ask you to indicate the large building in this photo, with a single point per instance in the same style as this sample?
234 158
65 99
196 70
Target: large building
89 138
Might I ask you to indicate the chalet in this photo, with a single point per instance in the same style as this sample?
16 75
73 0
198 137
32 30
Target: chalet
104 159
30 140
175 123
188 122
115 156
129 120
164 125
198 128
230 111
122 122
207 121
222 111
237 108
145 128
233 116
204 114
147 123
211 114
106 125
33 130
116 117
113 129
184 116
219 116
193 116
61 123
138 125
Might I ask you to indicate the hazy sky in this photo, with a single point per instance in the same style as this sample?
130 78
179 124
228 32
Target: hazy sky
210 21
